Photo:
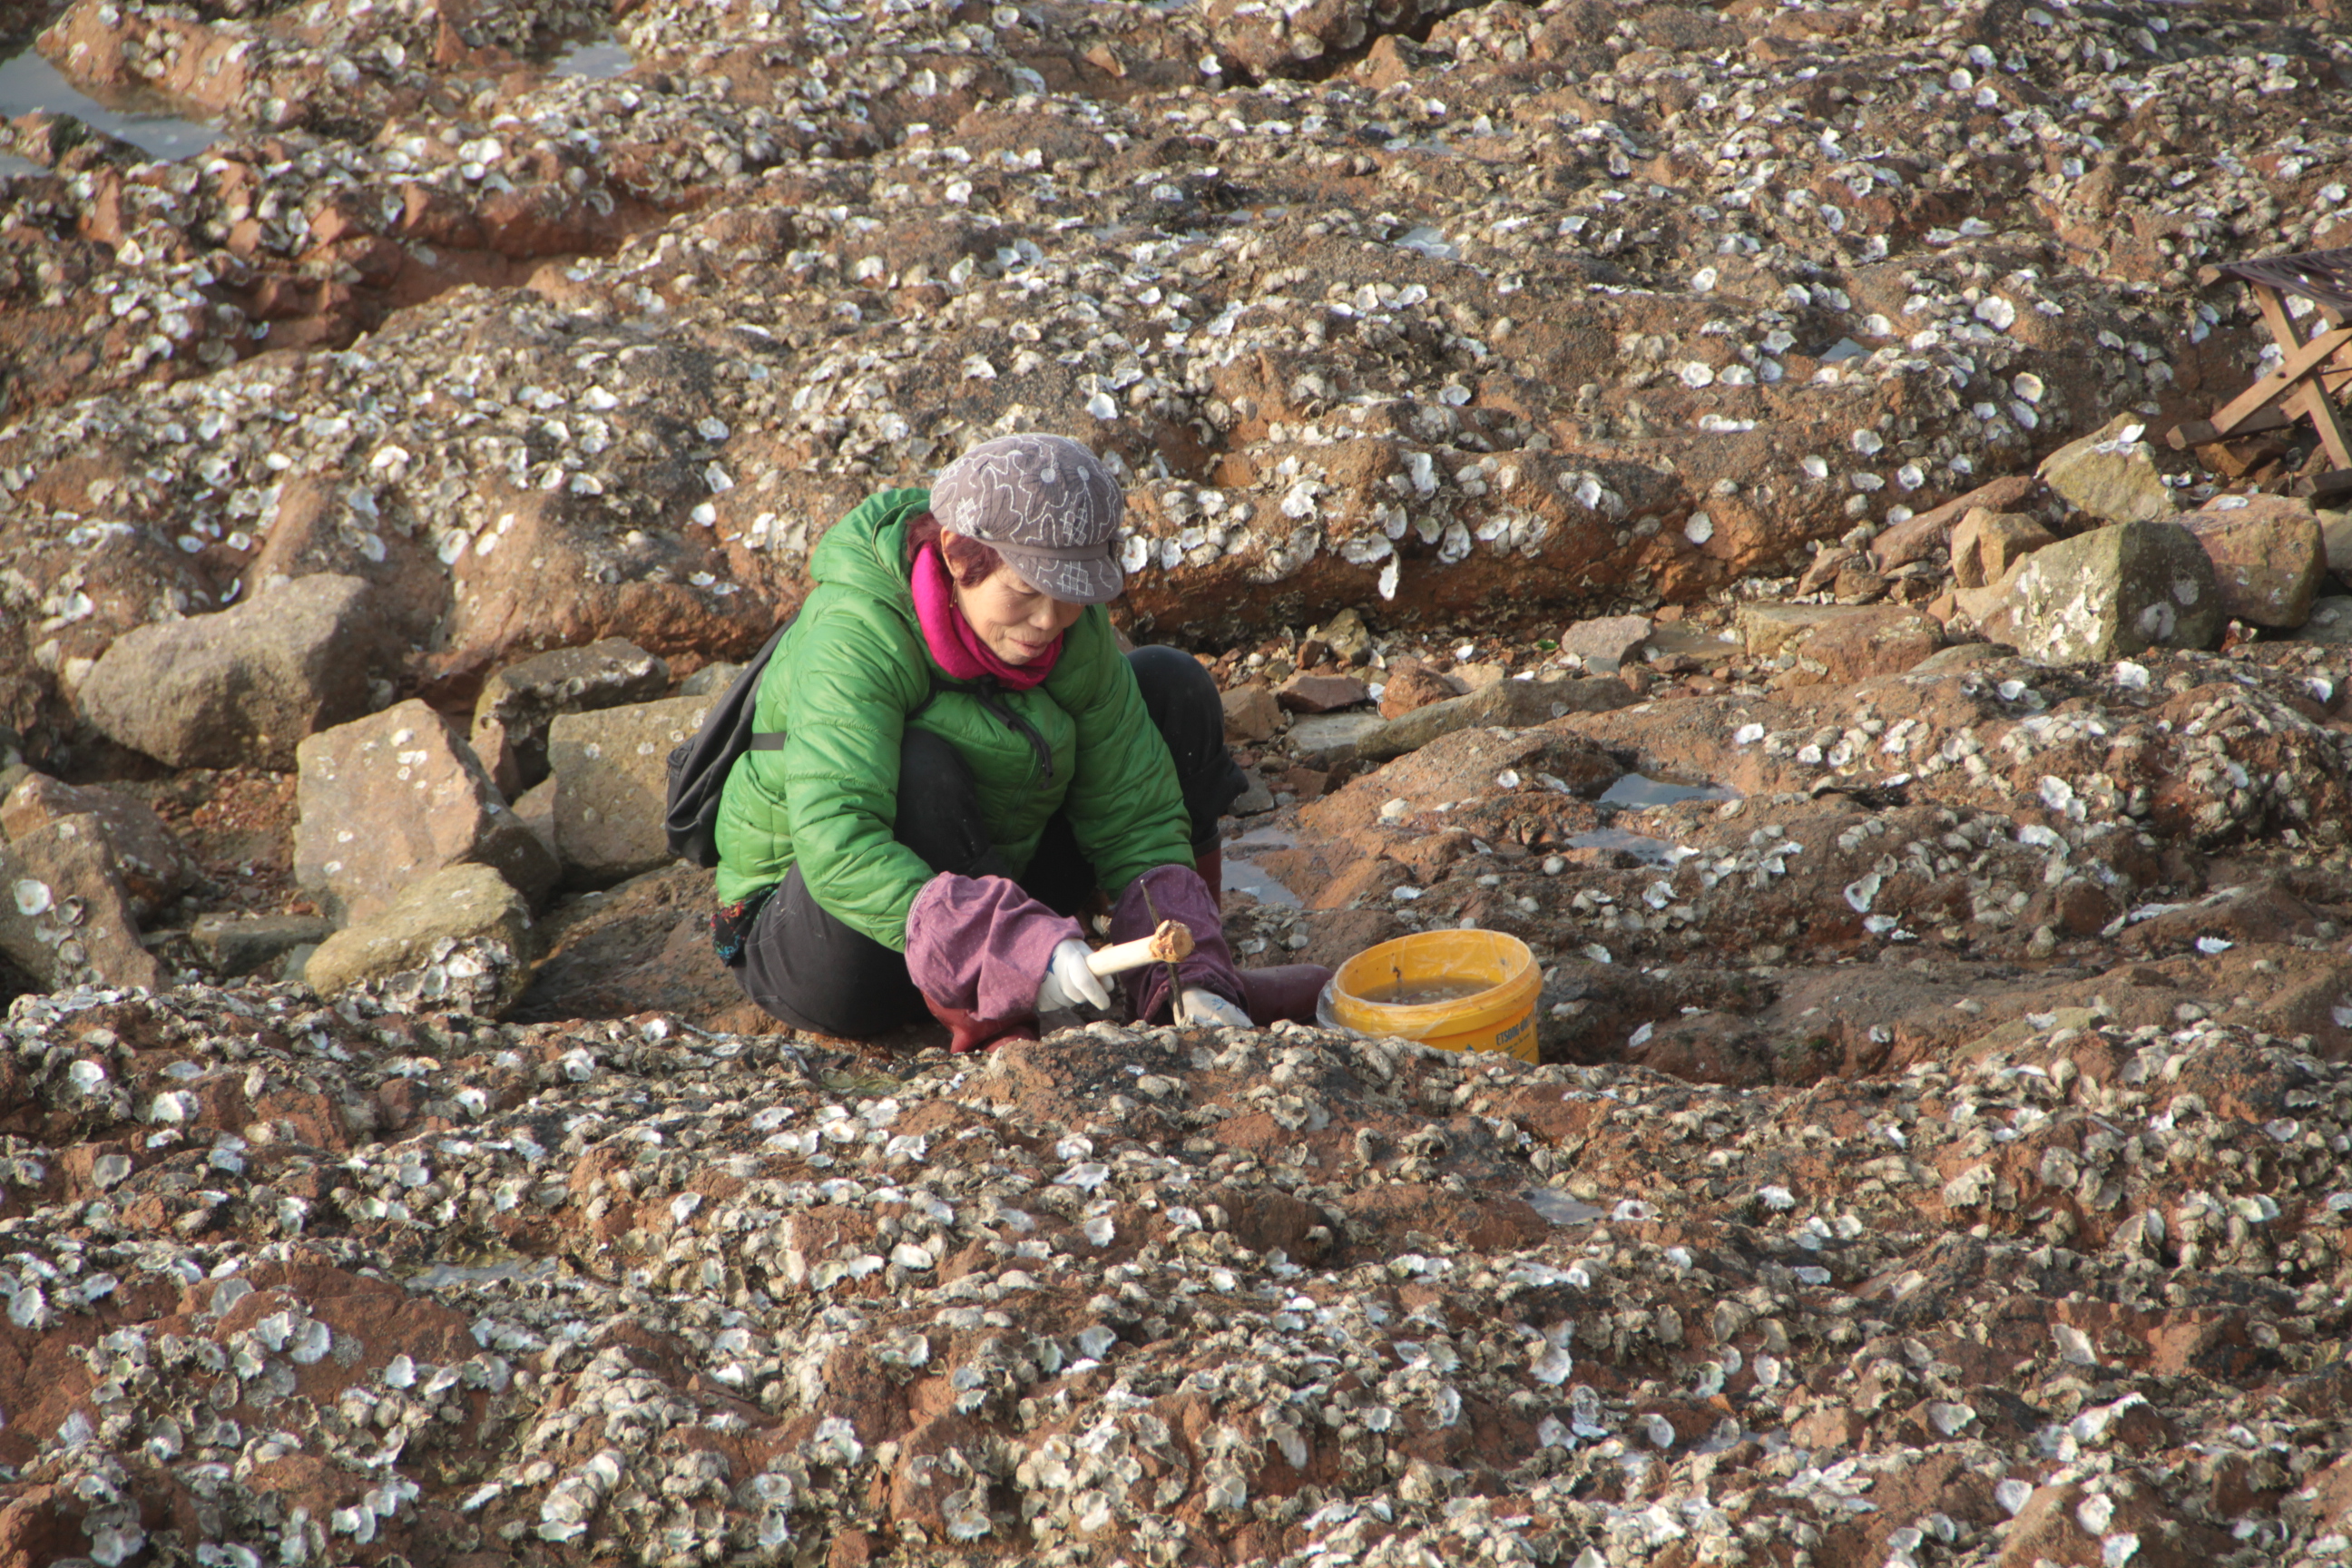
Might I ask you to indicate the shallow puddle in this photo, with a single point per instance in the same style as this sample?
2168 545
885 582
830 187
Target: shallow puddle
29 83
1641 790
1650 851
596 59
441 1275
1244 875
1561 1209
1430 242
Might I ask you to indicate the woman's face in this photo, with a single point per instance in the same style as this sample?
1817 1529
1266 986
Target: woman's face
1015 622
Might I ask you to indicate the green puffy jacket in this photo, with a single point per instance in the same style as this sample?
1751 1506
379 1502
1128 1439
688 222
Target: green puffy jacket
841 688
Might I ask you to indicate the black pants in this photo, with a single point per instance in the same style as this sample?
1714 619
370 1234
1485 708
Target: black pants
815 973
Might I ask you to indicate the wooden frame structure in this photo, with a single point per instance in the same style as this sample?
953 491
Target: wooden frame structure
2310 376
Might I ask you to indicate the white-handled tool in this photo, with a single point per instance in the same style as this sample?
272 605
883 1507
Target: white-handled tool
1171 943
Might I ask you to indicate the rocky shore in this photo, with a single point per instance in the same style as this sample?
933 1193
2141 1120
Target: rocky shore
1684 486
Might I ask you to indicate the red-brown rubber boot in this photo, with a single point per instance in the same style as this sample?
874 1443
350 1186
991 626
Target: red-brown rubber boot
1285 991
1210 868
969 1032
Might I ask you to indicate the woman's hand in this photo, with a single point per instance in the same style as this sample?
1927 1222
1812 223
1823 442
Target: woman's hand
1068 981
1202 1005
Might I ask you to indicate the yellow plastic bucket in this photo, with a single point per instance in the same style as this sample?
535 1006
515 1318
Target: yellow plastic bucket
1498 1017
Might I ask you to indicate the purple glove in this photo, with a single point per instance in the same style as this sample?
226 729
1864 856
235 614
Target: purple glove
980 944
1179 894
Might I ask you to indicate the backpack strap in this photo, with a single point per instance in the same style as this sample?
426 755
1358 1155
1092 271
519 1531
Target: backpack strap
773 740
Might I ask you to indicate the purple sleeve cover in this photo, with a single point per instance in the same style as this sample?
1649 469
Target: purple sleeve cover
981 944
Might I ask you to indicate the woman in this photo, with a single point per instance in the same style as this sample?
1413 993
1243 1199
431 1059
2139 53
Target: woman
966 757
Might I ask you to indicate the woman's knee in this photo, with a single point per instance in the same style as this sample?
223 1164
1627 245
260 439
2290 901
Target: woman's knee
808 969
1181 697
1176 685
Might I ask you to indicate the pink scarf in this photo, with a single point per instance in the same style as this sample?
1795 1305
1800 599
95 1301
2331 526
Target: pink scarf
953 643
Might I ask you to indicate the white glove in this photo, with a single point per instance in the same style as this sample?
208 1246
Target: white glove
1202 1006
1068 981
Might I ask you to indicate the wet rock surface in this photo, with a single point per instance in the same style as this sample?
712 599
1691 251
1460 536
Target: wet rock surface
1683 486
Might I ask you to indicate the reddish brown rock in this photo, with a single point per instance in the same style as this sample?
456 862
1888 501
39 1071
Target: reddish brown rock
2269 556
1412 684
1252 712
65 917
1928 535
1320 693
1987 545
145 855
395 797
1876 642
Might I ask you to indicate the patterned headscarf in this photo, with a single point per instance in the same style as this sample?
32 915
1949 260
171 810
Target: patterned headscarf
1047 504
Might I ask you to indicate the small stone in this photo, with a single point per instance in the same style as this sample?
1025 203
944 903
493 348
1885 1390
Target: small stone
1327 740
2334 530
1508 704
149 859
1857 586
1346 637
1606 642
1924 537
1412 684
247 945
1252 713
611 767
1254 800
1986 544
70 921
1879 640
388 798
2330 622
1321 693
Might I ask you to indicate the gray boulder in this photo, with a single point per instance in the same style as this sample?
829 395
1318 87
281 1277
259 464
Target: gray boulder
2111 473
396 796
611 786
2110 592
1506 705
518 704
240 686
2334 530
2330 622
247 945
710 680
464 918
65 917
1326 740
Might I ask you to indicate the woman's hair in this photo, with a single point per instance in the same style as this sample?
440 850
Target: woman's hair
970 562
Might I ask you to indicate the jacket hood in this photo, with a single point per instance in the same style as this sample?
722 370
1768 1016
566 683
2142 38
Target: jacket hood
866 552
